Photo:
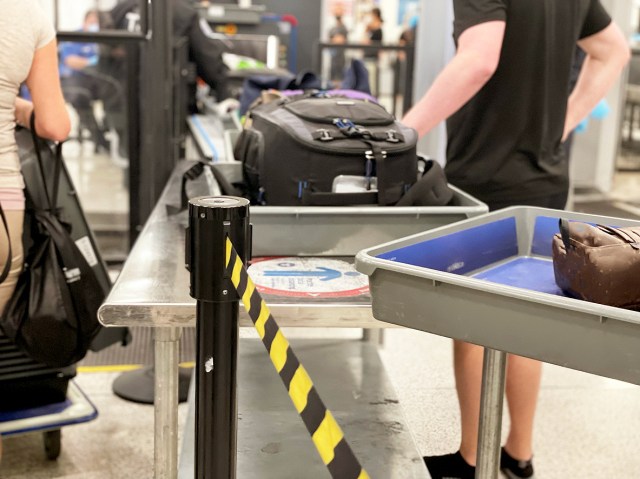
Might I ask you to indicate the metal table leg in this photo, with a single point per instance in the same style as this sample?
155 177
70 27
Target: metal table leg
492 398
167 342
373 335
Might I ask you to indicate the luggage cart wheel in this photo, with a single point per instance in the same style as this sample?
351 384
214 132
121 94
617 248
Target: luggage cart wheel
52 444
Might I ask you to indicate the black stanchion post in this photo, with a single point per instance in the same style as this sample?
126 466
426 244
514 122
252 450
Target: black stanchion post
211 221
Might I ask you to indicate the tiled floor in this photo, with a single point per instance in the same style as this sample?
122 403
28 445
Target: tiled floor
587 427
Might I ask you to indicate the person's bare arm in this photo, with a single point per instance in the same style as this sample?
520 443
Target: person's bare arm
474 64
607 54
23 112
52 118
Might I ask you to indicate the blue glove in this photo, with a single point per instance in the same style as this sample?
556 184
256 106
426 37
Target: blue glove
92 61
601 110
582 126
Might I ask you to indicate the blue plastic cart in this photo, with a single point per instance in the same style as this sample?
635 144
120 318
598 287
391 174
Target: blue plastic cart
49 419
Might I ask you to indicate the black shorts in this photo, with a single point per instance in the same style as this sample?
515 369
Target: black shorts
557 202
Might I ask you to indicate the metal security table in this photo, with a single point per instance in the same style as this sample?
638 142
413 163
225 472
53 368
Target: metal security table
153 287
272 440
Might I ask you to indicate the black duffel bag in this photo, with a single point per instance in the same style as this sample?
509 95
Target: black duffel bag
294 150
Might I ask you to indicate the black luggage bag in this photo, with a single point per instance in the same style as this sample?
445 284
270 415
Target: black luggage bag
295 149
25 383
71 209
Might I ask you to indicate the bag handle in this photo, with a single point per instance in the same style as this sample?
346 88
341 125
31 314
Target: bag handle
52 200
194 172
7 264
564 233
620 233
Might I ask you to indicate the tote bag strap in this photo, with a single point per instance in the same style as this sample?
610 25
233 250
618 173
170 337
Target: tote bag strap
52 199
7 263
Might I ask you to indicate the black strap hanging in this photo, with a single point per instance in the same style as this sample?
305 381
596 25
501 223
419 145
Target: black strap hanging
7 263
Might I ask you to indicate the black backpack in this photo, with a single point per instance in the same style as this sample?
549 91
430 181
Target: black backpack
294 149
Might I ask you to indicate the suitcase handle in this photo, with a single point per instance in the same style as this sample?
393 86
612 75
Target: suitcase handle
314 198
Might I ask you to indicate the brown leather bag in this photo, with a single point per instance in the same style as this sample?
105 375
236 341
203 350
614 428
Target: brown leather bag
598 263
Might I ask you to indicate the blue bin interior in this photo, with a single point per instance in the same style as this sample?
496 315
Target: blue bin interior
490 252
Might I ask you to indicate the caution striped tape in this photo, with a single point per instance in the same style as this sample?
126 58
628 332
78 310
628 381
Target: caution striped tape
325 431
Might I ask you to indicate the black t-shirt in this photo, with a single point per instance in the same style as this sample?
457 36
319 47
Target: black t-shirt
505 143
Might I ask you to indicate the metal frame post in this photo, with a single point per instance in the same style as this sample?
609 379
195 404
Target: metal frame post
491 402
167 344
211 221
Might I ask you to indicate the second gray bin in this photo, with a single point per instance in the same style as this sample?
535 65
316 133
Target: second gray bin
449 282
343 231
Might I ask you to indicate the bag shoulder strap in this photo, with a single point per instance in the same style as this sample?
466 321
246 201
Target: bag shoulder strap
52 199
52 204
194 172
7 264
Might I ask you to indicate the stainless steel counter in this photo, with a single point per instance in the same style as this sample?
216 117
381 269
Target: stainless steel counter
153 287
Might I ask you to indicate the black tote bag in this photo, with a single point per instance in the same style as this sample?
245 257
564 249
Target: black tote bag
52 314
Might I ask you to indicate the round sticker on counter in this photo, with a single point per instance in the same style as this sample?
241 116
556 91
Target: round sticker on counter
310 277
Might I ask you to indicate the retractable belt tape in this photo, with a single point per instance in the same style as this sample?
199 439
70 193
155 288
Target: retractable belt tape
325 431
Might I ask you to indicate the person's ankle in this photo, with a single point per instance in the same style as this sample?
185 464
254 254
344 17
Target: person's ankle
469 456
515 468
519 454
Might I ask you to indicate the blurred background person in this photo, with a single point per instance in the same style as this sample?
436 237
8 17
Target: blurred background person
339 35
373 36
81 84
373 32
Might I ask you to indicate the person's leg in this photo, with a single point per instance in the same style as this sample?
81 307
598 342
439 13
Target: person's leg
467 363
523 384
14 223
80 91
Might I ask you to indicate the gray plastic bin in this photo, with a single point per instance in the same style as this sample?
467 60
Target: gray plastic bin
335 231
319 231
489 281
343 231
338 231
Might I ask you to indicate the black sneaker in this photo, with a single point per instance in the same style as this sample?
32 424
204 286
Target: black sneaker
449 466
515 469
